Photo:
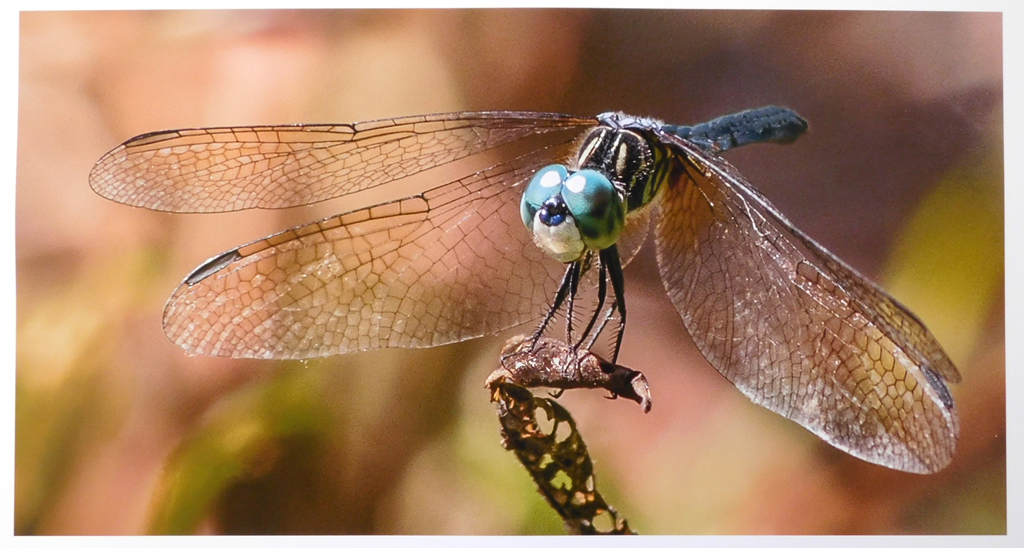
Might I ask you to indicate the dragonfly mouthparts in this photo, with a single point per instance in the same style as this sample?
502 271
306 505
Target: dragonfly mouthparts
553 212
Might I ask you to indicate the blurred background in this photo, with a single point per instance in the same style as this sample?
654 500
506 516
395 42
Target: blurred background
118 432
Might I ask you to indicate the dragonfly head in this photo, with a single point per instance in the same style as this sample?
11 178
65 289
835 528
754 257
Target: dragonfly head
569 213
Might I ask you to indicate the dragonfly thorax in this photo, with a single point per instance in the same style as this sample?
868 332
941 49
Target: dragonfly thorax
624 156
569 213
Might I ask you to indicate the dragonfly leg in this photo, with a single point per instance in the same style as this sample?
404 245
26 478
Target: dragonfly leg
610 256
563 291
574 285
602 292
607 318
611 267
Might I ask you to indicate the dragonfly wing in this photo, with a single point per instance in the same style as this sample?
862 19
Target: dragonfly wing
634 234
450 264
797 330
229 169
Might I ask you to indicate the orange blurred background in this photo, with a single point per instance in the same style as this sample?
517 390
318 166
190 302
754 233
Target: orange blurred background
118 432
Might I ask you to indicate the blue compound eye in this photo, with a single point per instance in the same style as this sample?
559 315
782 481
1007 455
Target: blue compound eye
546 184
597 207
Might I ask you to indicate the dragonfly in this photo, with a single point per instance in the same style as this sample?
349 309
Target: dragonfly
791 325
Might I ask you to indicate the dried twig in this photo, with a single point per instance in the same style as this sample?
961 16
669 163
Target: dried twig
550 364
556 456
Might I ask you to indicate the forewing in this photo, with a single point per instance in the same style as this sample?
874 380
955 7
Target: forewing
453 263
229 169
797 330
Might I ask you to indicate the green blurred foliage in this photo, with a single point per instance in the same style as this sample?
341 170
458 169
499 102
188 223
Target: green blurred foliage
65 403
238 439
947 264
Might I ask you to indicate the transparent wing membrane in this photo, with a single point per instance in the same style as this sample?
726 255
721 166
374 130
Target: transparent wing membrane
795 329
229 169
448 265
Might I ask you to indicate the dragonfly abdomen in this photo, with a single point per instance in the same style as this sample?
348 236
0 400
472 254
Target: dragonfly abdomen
759 125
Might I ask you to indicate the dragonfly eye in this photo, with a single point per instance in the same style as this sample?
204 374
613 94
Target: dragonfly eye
597 207
545 185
